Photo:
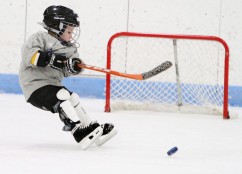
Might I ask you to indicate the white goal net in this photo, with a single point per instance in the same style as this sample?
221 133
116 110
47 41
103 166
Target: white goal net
197 81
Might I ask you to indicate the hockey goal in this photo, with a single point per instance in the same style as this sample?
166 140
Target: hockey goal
196 83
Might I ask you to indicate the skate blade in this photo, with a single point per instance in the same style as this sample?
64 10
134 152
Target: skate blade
103 139
90 138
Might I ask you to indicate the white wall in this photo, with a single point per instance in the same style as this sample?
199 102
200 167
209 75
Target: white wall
102 18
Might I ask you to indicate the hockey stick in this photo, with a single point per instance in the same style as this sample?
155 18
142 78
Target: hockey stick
162 67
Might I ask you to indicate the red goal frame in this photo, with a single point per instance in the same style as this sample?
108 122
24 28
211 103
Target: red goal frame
170 36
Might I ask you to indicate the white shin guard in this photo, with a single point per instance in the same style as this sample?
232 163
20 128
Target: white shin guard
83 116
72 107
69 110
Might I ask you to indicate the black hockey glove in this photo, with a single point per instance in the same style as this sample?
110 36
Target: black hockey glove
72 65
42 59
57 61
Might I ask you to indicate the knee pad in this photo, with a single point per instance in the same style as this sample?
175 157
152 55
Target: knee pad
63 94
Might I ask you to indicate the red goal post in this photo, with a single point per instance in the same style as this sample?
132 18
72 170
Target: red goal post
186 44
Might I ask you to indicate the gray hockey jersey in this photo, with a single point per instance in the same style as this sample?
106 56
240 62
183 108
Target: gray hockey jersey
32 77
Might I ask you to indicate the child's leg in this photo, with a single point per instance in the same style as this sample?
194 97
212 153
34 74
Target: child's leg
57 99
108 128
46 98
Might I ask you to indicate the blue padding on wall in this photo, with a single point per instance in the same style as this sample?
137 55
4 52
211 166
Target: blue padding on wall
86 87
9 84
235 96
94 87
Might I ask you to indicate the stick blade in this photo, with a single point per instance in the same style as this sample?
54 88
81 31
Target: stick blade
162 67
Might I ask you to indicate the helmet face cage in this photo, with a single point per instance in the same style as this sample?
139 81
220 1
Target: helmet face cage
75 33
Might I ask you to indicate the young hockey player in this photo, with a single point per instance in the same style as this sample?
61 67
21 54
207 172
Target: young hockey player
48 57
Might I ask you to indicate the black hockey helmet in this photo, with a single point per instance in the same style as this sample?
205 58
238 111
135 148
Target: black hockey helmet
57 18
54 15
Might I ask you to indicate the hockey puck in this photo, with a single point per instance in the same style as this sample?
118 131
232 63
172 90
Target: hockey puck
172 151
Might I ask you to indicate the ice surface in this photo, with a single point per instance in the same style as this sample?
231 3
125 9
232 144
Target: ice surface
32 142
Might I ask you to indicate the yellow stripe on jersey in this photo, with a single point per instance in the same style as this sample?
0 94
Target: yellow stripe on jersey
35 58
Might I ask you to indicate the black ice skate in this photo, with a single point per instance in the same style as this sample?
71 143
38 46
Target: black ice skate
108 133
86 135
